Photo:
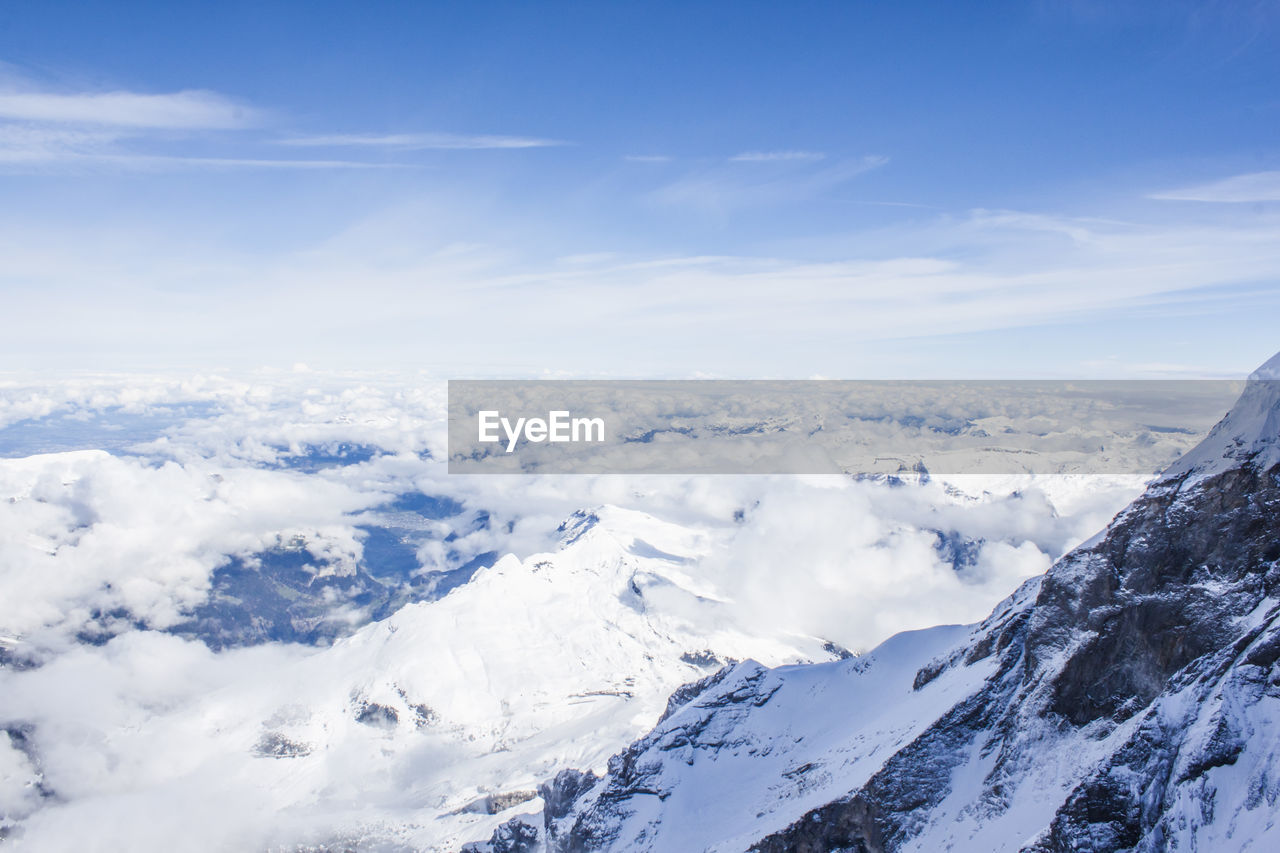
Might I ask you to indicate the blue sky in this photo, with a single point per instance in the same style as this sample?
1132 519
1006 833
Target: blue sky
838 189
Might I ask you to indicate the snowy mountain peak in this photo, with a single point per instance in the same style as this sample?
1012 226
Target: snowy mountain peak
576 526
1269 370
1250 431
631 535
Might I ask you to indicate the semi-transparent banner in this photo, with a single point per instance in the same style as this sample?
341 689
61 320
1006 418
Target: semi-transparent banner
873 428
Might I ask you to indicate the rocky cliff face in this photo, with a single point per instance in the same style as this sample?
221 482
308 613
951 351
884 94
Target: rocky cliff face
1128 700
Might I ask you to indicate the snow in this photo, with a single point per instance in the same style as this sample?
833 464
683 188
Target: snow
1250 431
727 774
535 665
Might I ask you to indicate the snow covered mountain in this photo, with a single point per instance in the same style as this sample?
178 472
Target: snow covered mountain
1127 700
206 672
413 733
276 623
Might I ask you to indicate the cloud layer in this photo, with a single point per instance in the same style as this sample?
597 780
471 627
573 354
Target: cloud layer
148 738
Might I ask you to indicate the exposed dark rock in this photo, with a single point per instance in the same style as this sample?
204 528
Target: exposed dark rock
558 800
837 651
276 745
703 657
1161 590
685 693
380 716
559 795
514 836
851 825
497 803
958 550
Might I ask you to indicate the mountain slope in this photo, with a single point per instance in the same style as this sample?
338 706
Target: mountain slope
1129 699
411 733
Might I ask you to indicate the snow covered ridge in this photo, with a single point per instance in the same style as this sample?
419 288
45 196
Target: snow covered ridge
424 730
1250 431
1127 700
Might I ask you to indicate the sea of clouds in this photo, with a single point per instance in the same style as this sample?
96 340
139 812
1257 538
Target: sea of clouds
120 496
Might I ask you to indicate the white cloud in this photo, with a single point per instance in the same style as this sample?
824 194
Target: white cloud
777 156
725 187
841 562
160 162
647 158
938 276
86 532
420 141
19 794
190 109
85 129
25 144
32 157
1253 187
48 130
48 146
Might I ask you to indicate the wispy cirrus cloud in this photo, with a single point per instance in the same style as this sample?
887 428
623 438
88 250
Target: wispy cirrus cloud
43 130
27 147
420 141
777 156
28 142
161 163
1253 187
727 186
191 109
